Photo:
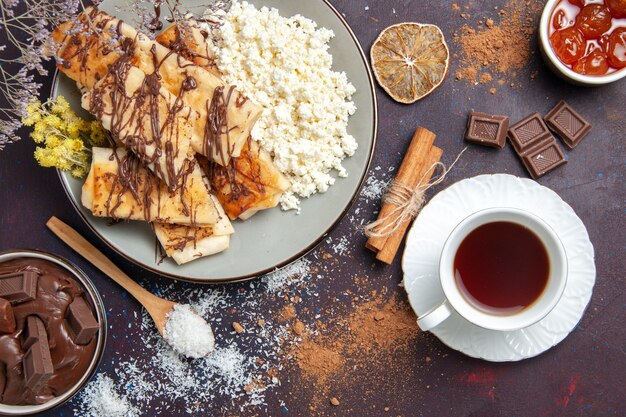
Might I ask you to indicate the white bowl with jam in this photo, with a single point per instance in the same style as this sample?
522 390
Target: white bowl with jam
584 41
52 312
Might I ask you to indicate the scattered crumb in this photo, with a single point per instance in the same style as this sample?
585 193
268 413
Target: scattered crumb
334 401
485 78
493 91
238 327
298 328
288 313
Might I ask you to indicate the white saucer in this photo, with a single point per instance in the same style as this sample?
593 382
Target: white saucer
439 217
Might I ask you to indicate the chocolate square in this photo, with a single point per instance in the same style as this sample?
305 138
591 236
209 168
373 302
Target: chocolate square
528 133
34 329
7 318
543 158
18 287
81 323
488 130
38 368
567 124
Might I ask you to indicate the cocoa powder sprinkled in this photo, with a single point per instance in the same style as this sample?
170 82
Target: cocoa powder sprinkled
317 361
288 313
364 341
501 46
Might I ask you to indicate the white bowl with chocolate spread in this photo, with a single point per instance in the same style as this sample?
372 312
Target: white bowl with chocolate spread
52 331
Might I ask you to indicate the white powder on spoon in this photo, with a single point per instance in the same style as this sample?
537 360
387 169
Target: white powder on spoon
188 333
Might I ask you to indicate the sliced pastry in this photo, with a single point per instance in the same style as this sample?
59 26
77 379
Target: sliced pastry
188 40
187 243
249 184
149 120
91 43
119 186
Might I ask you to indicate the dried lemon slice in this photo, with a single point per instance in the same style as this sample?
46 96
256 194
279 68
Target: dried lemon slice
410 60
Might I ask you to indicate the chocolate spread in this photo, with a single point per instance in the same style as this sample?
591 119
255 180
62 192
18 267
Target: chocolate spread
56 290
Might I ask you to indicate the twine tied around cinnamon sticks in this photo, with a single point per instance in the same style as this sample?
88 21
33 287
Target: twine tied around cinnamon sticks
407 201
405 196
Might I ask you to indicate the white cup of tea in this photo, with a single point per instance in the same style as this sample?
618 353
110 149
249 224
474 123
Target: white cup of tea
501 269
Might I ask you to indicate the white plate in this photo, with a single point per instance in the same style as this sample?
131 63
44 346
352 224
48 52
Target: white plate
439 217
273 238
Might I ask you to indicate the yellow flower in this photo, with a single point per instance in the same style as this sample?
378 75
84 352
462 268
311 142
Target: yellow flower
97 134
61 132
53 121
52 158
39 133
83 125
74 145
80 171
73 129
53 140
60 106
33 114
38 137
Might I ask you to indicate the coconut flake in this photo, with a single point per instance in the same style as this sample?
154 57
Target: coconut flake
188 333
101 399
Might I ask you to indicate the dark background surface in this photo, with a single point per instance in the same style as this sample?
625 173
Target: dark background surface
583 376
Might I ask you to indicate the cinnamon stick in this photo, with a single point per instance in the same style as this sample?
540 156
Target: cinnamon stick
408 174
391 246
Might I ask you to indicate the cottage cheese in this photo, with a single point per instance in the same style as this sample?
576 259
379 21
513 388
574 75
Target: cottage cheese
283 64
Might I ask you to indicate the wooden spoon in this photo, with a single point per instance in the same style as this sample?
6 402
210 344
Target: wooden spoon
158 308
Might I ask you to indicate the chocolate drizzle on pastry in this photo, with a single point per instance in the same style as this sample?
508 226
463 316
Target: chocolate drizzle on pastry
217 123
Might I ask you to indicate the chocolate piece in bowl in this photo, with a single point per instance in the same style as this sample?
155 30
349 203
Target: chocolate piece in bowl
34 329
567 124
40 360
7 318
81 324
543 158
18 287
38 368
529 132
488 130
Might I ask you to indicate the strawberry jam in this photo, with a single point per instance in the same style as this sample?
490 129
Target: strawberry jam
589 36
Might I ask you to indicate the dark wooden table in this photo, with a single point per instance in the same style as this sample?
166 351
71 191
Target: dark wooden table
583 376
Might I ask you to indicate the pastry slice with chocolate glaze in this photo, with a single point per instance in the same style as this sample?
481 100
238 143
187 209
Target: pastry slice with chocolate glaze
187 243
90 45
149 120
188 40
119 186
251 182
